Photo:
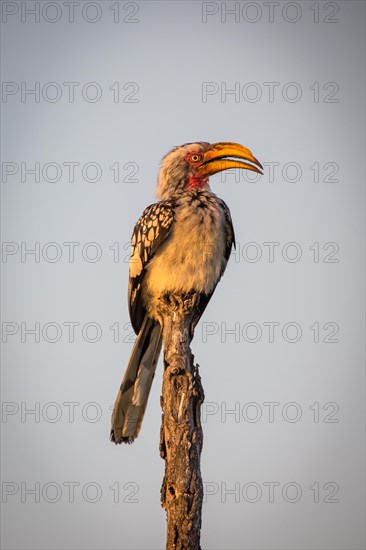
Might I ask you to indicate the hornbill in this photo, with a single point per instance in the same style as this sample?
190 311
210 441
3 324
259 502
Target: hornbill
180 244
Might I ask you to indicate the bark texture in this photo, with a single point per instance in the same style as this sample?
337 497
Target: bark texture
181 434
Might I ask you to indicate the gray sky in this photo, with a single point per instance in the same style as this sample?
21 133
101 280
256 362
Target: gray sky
115 86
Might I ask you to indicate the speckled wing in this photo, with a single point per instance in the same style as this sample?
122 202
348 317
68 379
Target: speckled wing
149 233
230 235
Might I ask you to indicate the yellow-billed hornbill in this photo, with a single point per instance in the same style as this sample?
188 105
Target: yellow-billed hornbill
179 245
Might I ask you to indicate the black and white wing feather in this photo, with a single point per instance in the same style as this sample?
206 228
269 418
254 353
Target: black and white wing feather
149 233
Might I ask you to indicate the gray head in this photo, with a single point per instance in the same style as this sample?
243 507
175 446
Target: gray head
176 169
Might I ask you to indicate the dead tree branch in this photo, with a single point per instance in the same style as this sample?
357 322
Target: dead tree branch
181 434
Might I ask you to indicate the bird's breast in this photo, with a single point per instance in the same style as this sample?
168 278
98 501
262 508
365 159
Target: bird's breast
193 255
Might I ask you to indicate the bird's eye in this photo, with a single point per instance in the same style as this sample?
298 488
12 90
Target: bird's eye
195 157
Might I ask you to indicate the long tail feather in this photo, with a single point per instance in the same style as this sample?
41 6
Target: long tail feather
130 405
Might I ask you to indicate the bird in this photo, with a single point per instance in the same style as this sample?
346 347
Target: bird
180 244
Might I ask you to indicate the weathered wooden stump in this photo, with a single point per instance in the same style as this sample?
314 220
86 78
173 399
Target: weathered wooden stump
181 435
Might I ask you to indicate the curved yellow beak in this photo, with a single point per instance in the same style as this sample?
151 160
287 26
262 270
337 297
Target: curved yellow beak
217 159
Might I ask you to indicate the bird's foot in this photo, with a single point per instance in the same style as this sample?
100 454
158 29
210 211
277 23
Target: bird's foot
183 302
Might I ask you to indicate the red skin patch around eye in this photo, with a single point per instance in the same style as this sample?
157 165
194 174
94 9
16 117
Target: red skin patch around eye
190 155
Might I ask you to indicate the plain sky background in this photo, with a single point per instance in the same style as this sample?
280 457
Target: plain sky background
281 344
